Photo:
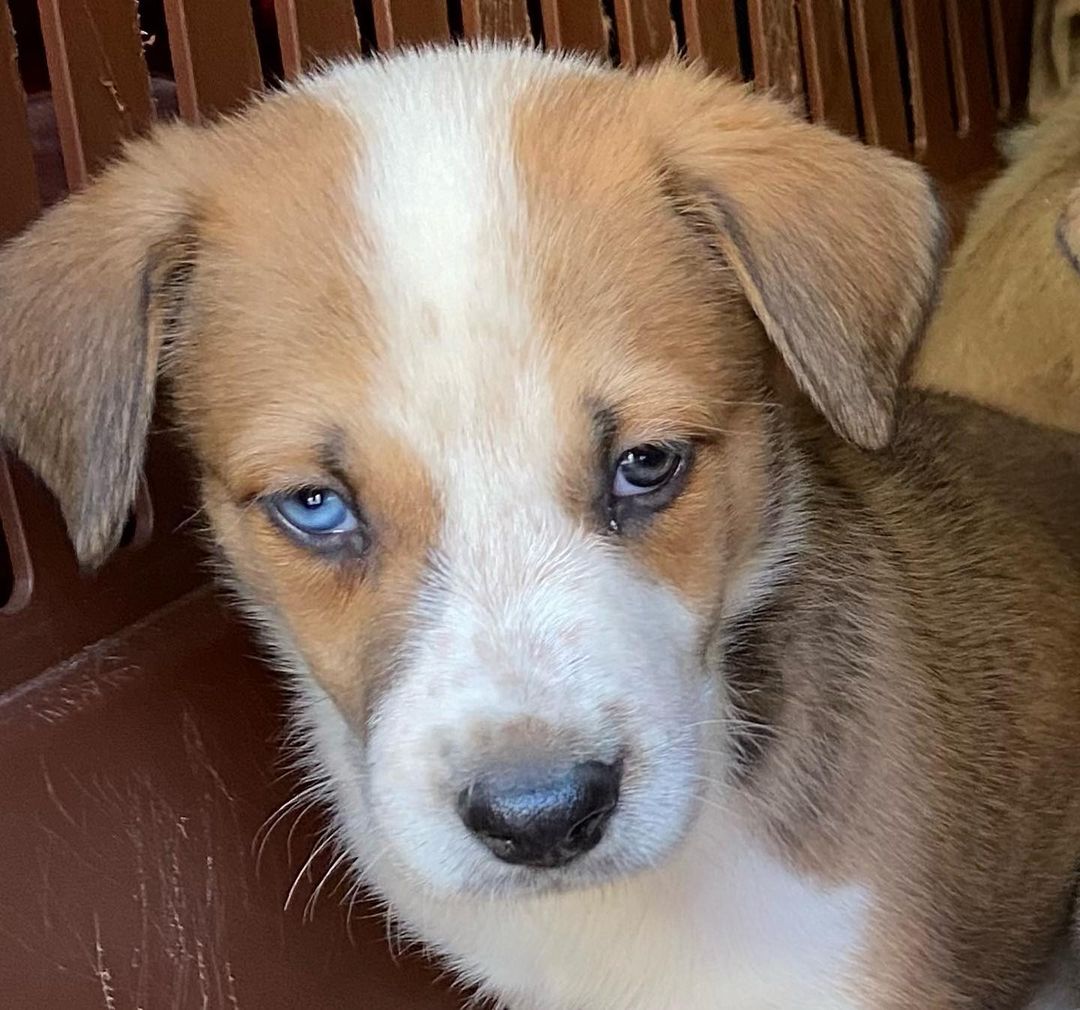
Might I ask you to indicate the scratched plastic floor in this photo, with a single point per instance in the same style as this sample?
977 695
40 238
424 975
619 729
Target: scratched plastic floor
134 783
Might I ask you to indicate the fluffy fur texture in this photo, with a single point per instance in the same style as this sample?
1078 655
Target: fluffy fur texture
1006 332
841 668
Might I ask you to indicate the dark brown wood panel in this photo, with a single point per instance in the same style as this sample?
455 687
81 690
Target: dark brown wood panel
877 62
19 197
829 74
215 58
712 35
774 38
575 25
496 19
407 22
100 85
645 30
312 30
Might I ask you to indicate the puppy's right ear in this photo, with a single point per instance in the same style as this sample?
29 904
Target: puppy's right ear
1055 54
87 294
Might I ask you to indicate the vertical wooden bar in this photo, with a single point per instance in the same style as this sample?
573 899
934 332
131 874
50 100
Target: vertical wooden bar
100 86
774 38
971 57
931 92
19 199
22 571
313 30
830 93
877 61
646 31
19 205
575 24
1011 27
496 19
407 22
712 35
215 58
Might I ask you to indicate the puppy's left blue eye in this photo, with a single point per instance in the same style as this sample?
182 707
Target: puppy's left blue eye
315 511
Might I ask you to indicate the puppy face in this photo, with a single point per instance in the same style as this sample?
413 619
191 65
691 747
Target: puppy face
464 346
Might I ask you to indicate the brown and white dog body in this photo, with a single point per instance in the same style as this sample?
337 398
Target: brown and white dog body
829 664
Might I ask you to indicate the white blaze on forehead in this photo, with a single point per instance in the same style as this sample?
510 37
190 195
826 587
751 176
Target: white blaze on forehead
461 372
444 223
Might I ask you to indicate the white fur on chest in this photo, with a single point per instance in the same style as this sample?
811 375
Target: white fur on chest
722 927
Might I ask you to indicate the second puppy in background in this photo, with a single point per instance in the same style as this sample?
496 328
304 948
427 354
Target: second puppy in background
1007 329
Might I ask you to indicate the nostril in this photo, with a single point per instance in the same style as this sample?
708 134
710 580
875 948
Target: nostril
541 815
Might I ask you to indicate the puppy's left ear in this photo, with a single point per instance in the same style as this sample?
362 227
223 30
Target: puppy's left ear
837 246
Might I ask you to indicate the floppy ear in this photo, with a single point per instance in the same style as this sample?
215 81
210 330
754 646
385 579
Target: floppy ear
86 294
1055 54
1068 229
837 246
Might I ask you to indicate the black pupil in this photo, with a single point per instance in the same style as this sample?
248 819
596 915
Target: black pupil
648 465
311 499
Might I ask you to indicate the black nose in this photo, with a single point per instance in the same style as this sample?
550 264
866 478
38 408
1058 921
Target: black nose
539 815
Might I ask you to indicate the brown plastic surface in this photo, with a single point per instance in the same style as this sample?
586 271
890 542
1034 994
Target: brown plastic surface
137 780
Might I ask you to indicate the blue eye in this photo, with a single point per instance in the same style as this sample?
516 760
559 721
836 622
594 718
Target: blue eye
315 511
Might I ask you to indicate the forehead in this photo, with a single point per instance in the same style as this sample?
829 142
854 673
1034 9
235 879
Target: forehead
454 249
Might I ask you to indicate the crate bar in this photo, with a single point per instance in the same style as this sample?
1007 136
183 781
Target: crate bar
215 57
314 30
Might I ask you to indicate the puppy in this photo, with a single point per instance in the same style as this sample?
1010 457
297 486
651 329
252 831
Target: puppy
652 647
1005 332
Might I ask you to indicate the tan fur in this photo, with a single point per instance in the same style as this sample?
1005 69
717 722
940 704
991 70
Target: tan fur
912 675
1005 331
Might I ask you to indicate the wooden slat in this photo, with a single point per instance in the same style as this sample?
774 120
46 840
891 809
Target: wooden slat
1011 28
877 62
774 39
830 95
575 24
646 32
100 86
215 58
22 572
950 150
931 94
313 30
496 19
971 58
712 35
19 193
407 22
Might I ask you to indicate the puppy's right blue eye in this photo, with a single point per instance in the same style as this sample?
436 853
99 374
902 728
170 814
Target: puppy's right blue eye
316 513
